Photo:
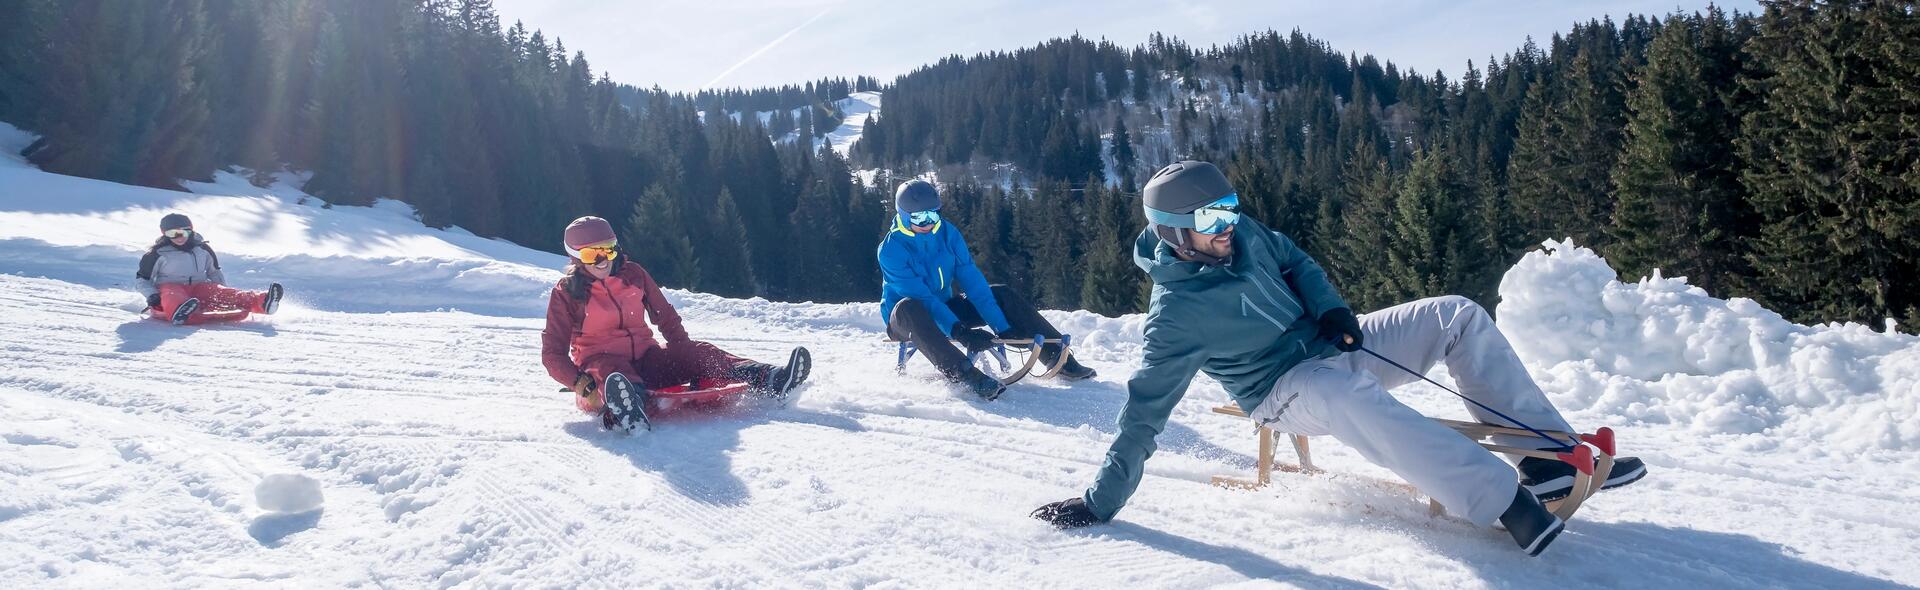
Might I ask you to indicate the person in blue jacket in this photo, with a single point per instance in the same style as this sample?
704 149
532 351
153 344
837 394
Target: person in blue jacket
931 293
1243 304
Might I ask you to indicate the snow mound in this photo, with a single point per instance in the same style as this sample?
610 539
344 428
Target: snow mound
1662 351
288 493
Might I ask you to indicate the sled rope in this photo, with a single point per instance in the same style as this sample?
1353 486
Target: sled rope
1536 432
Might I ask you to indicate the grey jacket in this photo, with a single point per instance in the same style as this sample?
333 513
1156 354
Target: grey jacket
166 264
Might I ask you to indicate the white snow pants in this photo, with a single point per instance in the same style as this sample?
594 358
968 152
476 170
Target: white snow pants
1346 396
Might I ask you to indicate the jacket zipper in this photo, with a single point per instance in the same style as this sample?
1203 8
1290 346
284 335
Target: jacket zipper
632 351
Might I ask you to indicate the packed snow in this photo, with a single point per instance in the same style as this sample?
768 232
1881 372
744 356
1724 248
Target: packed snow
392 427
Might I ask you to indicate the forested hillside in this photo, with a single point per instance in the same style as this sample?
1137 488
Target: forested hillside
499 130
1770 156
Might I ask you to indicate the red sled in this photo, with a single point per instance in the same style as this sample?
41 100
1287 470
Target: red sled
204 317
702 392
705 392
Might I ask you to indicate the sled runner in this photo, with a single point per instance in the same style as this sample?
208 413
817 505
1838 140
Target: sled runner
1592 459
999 354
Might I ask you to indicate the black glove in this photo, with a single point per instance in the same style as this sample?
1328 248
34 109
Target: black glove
974 339
1339 325
153 301
1071 513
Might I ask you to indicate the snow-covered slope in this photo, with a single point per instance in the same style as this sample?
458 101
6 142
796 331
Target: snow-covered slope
854 110
392 428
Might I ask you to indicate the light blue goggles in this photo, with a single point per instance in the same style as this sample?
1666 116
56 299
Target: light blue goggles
1211 219
927 217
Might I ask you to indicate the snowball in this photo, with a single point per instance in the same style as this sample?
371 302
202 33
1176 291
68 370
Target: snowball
287 493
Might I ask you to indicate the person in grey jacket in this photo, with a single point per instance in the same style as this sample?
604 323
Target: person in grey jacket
180 275
1243 304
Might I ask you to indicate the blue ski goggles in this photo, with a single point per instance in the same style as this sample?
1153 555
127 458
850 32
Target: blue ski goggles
928 217
1213 218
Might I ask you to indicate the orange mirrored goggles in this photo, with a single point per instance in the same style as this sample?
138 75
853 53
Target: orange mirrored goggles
597 255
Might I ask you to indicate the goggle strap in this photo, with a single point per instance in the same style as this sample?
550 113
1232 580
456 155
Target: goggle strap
1182 220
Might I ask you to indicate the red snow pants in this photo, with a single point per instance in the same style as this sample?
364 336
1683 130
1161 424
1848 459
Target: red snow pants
658 368
218 303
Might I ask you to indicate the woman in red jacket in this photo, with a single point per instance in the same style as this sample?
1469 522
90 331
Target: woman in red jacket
597 341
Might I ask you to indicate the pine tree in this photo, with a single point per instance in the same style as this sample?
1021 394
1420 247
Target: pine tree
1359 262
1434 247
1124 159
1832 168
1110 285
1680 205
1568 141
656 238
724 252
820 267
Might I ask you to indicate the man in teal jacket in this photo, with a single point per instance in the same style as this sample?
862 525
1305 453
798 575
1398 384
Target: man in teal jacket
1243 304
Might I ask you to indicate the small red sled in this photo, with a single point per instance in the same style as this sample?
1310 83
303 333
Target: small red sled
701 393
208 317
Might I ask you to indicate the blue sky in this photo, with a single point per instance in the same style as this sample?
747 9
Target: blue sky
685 46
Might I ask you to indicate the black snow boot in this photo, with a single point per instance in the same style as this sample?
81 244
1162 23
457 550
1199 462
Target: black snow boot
1072 371
983 385
626 405
1531 525
186 309
272 302
1551 479
779 381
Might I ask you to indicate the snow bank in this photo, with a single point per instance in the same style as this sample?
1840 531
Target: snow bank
1662 351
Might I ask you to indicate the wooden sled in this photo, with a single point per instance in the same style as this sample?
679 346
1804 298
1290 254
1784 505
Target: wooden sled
999 353
1592 459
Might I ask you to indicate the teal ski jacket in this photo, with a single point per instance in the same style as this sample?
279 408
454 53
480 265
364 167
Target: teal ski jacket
1244 323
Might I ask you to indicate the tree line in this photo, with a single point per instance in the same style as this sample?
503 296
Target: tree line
497 129
1765 155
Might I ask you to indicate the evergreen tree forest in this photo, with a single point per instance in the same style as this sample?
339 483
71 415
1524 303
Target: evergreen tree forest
1770 155
496 129
1774 156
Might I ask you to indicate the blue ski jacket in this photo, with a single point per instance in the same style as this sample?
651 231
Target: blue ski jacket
1244 324
927 267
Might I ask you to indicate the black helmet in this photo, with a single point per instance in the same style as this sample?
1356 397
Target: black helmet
175 221
916 195
1171 197
1182 187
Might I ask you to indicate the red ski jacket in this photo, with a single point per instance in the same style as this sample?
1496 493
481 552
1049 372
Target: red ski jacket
612 319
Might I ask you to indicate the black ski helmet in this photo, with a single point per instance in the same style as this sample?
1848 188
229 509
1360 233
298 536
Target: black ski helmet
916 195
1174 193
175 221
